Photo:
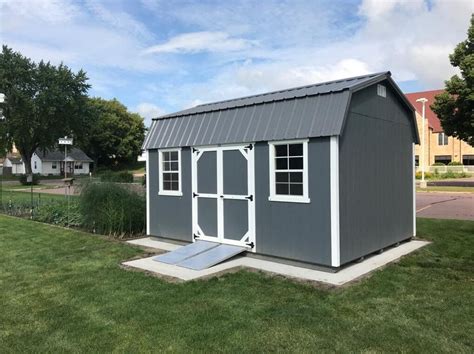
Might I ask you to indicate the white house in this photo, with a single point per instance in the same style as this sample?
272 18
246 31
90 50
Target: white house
52 162
16 164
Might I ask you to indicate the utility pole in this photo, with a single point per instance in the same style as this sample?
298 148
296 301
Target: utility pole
423 159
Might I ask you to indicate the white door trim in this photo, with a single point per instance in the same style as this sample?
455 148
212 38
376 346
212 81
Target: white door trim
248 153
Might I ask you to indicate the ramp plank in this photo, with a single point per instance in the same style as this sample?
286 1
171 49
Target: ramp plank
211 257
185 252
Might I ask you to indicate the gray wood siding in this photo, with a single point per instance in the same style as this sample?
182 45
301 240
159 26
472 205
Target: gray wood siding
296 231
171 216
376 190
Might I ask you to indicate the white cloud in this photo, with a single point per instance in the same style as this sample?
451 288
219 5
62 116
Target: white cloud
148 111
201 42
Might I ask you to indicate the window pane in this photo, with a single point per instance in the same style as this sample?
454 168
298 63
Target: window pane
296 177
174 155
282 188
296 189
446 142
296 163
281 163
440 138
167 177
166 156
174 166
282 177
166 166
296 150
174 186
281 150
166 186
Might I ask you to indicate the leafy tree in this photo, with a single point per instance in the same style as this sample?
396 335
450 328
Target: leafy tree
43 103
114 135
455 107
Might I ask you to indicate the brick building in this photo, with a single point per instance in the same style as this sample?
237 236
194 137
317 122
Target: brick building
438 146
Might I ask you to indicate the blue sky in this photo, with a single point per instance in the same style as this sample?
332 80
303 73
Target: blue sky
161 56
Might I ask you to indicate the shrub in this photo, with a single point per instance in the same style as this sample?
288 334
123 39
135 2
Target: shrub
117 177
455 163
438 164
112 209
58 213
24 180
428 175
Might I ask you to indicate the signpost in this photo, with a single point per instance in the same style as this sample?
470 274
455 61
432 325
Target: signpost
67 181
65 141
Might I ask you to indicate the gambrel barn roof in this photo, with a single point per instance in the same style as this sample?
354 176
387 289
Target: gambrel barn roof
310 111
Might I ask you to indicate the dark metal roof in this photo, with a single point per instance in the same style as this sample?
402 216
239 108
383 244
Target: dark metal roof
74 153
309 111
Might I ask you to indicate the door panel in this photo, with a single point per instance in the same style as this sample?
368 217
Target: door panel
207 216
207 172
235 219
235 172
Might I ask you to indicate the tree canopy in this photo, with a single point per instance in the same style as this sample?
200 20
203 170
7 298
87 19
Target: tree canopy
43 103
455 107
114 135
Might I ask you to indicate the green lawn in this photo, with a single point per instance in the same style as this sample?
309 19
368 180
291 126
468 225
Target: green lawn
64 290
446 189
25 196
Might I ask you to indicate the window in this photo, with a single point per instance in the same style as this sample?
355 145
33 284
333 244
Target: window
444 159
417 160
442 139
78 165
54 165
468 160
381 90
36 166
170 172
289 171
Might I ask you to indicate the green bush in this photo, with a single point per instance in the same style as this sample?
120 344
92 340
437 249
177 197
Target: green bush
59 213
438 164
117 177
428 175
24 178
111 209
455 163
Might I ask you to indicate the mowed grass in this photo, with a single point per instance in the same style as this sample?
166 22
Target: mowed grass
64 291
25 197
446 189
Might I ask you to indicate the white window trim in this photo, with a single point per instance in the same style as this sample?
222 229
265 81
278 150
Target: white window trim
271 157
179 192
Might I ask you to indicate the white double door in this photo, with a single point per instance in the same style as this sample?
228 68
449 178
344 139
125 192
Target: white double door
224 194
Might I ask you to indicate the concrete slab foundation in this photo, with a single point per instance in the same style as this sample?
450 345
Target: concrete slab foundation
342 277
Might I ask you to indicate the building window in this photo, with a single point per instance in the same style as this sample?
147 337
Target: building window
444 159
36 166
78 165
468 160
381 90
417 160
54 165
442 139
170 172
289 171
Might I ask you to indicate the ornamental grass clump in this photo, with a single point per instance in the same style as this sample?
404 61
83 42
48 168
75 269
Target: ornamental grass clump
111 209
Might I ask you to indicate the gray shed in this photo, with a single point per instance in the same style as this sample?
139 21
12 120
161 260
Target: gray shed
320 174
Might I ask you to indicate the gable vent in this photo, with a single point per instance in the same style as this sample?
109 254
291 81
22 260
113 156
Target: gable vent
381 90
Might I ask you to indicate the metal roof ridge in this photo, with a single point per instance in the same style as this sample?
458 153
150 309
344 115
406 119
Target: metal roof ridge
182 113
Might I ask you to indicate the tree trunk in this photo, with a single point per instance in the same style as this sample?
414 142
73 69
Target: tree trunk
27 161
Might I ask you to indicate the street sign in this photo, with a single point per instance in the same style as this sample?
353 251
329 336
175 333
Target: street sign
65 141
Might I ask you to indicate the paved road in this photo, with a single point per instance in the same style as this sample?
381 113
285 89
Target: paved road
445 205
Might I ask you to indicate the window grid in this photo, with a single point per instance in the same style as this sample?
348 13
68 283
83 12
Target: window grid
289 166
170 172
443 139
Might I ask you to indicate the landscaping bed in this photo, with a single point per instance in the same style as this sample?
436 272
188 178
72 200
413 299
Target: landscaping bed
64 290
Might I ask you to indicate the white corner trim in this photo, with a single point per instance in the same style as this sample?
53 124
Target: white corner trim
414 188
147 167
334 192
